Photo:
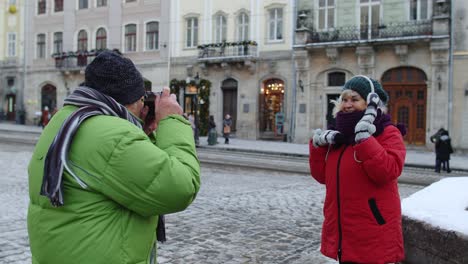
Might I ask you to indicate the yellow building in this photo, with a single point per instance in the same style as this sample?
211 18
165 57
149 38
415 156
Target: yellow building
11 59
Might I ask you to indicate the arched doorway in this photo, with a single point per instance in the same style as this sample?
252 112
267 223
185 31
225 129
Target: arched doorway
229 87
271 109
48 97
407 89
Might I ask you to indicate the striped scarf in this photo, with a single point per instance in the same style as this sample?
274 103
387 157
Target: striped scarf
91 103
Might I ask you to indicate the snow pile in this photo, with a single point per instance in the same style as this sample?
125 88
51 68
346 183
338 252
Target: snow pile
443 204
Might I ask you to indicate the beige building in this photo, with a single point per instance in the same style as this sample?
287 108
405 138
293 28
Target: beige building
459 97
11 59
64 36
241 51
403 44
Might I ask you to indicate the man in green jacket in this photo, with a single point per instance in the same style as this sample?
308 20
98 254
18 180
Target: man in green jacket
97 181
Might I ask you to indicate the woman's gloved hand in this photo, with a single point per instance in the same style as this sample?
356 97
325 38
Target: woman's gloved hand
325 137
365 127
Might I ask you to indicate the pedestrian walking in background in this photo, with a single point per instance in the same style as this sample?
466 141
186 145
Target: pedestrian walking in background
359 162
212 134
194 126
227 123
97 182
443 149
45 117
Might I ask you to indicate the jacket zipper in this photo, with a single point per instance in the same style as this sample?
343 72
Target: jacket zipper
339 203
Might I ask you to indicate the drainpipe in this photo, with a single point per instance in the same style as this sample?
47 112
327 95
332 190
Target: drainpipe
292 122
450 80
23 83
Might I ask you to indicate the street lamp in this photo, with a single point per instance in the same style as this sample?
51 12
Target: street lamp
193 91
197 115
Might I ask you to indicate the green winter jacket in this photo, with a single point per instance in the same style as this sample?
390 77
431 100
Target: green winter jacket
130 182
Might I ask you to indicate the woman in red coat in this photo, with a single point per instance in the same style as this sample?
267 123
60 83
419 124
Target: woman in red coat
359 162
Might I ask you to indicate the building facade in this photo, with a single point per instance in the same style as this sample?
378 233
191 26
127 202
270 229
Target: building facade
244 50
64 36
11 59
403 44
459 97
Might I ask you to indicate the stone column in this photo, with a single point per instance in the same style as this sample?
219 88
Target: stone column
439 83
303 92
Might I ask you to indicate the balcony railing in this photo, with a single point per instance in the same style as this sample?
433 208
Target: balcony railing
71 60
374 32
228 51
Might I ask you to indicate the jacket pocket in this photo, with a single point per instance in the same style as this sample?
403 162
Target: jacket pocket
375 211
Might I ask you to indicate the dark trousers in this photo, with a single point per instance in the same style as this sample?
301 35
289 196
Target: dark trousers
445 164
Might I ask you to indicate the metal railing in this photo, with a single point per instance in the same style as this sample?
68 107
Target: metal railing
227 50
373 32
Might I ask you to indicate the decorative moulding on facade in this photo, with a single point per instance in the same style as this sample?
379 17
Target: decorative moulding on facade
302 36
332 54
272 67
402 52
301 60
251 66
366 60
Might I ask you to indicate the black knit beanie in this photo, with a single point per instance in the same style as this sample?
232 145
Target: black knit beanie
362 86
116 76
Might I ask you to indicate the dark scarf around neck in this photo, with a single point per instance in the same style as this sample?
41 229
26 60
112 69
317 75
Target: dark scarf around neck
345 123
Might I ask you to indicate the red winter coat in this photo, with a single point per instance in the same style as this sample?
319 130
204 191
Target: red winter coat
362 205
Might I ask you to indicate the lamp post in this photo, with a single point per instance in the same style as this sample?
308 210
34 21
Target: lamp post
195 102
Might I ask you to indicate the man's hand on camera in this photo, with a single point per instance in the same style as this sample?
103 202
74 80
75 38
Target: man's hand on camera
166 104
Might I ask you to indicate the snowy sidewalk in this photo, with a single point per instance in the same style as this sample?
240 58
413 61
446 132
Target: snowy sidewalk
417 158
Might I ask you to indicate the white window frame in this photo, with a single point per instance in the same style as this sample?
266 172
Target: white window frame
326 9
11 2
53 41
11 44
96 4
53 7
94 44
193 30
36 2
276 20
243 26
37 48
418 10
369 18
88 46
124 44
78 5
220 28
145 35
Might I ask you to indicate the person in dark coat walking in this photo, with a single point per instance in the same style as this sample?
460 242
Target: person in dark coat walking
443 149
212 135
359 161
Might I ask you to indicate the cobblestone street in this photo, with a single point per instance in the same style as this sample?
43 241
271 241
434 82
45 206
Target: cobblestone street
239 216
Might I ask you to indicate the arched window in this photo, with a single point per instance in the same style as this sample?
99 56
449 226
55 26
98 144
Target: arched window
242 26
101 39
130 37
220 29
152 36
82 40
